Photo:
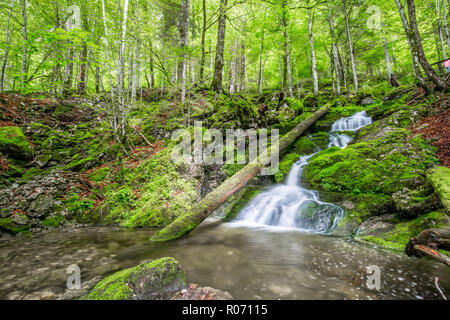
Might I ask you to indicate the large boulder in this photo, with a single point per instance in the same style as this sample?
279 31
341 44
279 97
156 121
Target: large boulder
156 280
14 143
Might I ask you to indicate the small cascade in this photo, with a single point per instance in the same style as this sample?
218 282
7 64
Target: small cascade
291 205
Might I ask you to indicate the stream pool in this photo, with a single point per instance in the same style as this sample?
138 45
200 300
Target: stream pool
250 263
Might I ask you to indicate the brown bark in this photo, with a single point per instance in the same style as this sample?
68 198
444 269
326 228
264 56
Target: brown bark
199 212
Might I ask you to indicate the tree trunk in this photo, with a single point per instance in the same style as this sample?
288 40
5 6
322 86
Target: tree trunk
392 78
243 68
203 40
199 212
233 67
337 66
107 50
184 42
261 57
25 44
415 59
350 45
417 43
313 53
5 59
82 83
439 27
220 47
447 33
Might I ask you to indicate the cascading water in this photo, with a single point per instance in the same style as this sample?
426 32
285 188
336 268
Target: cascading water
290 205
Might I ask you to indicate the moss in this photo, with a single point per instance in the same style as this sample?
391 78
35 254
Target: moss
8 225
30 174
53 222
153 280
153 194
14 143
381 166
77 165
100 174
440 179
399 237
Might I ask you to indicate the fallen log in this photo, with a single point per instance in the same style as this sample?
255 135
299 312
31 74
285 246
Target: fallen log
428 242
199 212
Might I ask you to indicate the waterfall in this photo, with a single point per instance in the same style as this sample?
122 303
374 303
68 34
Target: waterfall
291 205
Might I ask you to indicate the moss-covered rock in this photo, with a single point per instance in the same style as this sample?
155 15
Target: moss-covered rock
381 166
10 226
154 193
400 232
14 143
156 280
440 179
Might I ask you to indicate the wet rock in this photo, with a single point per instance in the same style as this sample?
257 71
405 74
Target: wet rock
412 203
156 280
376 225
195 292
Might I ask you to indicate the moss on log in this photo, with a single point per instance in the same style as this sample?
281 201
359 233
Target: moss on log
199 212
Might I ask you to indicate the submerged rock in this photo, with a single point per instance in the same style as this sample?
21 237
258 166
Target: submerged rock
195 292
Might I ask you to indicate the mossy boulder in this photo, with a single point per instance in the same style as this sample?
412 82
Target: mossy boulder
156 280
440 179
396 234
14 143
381 166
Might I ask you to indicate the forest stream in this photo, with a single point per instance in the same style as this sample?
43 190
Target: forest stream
275 249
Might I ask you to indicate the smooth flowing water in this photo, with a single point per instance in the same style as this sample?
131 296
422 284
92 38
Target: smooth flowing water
291 205
280 257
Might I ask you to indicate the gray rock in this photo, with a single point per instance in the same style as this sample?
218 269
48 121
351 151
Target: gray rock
367 101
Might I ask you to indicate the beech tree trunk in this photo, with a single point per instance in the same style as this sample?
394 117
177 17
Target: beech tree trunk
199 212
220 47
